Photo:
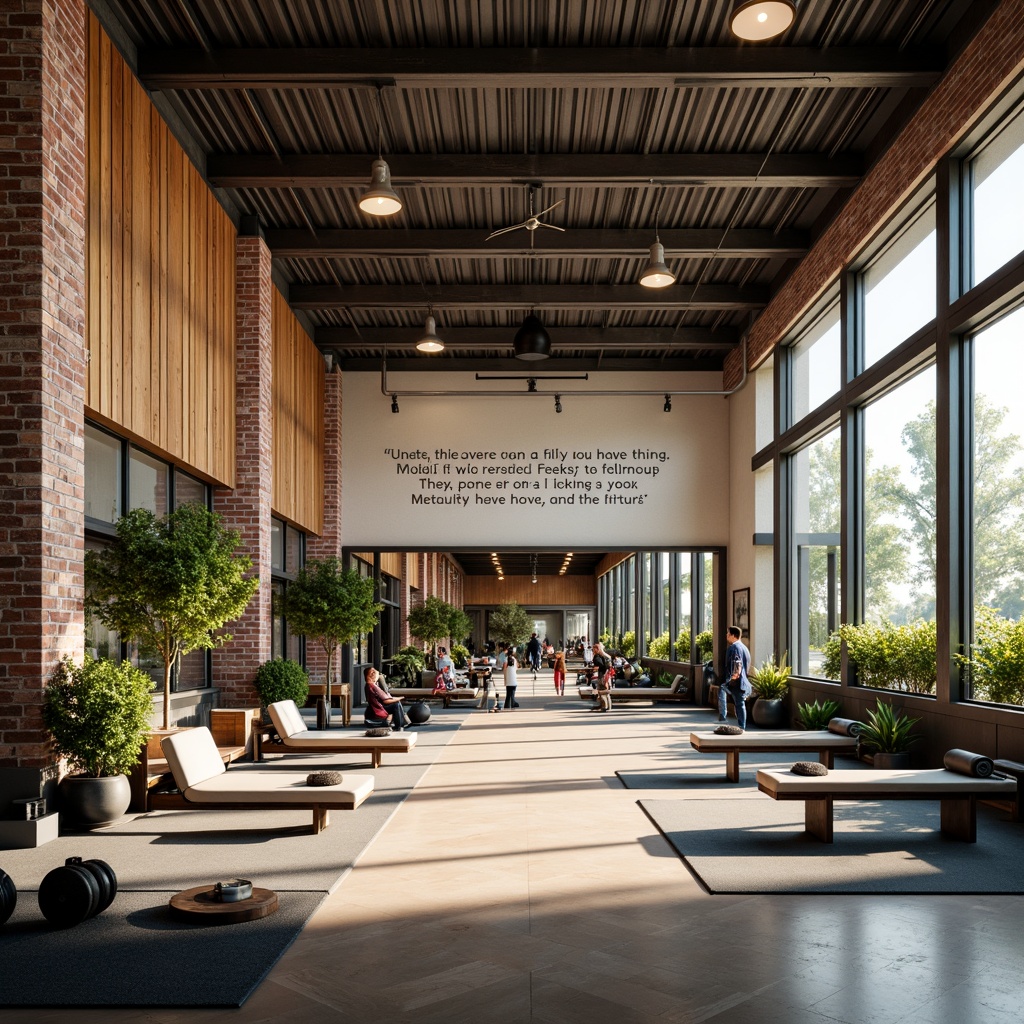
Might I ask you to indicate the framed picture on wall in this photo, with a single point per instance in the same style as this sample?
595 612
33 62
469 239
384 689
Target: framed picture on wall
741 610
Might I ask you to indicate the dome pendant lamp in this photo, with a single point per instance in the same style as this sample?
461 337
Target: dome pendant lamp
380 199
430 342
532 341
762 19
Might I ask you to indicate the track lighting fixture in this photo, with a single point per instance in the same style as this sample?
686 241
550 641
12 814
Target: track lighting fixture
531 340
558 403
380 199
430 342
394 403
667 407
762 19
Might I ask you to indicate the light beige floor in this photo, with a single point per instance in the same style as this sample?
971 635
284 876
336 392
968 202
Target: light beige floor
521 882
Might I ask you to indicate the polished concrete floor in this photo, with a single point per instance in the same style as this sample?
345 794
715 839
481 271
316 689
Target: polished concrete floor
521 882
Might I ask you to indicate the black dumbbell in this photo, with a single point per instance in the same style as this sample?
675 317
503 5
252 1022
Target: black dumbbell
77 891
8 896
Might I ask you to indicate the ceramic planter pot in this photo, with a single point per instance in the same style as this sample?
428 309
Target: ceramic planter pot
92 802
901 759
769 714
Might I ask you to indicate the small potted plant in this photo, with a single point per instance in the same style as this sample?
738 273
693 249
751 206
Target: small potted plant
888 736
281 679
817 715
771 685
405 666
98 714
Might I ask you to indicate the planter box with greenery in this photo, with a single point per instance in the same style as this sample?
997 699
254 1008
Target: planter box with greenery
888 736
98 714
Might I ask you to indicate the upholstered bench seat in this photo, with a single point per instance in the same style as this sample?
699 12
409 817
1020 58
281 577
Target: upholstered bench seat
957 794
820 742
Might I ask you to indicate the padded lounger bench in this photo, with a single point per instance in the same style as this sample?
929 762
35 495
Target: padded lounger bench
623 693
820 742
413 693
297 739
957 794
203 782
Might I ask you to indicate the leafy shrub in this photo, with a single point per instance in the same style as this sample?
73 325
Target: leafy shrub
628 645
995 669
98 714
460 655
406 665
683 645
705 643
658 647
281 679
888 657
817 715
771 680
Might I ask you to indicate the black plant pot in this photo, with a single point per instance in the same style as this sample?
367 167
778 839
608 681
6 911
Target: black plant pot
770 714
92 802
883 759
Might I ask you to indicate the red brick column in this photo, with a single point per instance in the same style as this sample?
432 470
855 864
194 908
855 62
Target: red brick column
329 542
42 363
247 508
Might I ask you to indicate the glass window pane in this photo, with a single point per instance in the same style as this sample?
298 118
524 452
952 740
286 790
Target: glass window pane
816 364
997 513
102 475
189 489
192 672
293 552
816 550
147 482
277 545
997 200
899 288
899 504
100 641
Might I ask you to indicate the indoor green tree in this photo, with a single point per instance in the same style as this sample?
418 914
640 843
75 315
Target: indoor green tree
434 620
169 583
330 605
510 623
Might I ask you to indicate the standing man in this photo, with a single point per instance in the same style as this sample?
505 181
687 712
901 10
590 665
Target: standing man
533 653
734 677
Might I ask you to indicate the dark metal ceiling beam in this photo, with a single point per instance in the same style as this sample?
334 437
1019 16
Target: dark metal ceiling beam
525 297
752 67
721 170
433 364
737 243
672 339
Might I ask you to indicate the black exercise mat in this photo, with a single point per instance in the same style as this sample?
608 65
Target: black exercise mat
751 845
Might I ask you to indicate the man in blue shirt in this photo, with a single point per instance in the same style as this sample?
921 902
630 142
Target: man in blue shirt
734 677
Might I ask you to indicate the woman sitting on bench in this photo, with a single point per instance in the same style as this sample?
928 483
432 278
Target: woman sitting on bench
382 708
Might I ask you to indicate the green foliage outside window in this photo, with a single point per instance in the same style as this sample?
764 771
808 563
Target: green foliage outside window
628 644
888 657
995 668
658 647
705 643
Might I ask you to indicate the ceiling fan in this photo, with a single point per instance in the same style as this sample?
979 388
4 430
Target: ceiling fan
532 222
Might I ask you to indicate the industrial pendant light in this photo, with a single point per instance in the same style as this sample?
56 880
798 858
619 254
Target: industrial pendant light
430 342
656 274
762 19
380 199
531 340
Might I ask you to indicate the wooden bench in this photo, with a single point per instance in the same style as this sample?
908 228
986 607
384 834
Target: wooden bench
621 694
958 795
414 693
822 743
297 739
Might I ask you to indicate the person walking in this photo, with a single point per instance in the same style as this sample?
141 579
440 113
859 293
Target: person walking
559 667
735 683
510 681
533 653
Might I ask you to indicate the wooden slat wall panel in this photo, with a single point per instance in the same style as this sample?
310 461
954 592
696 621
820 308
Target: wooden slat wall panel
160 266
390 561
610 561
547 591
298 484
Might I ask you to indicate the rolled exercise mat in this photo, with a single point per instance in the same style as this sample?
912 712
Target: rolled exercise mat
963 762
845 726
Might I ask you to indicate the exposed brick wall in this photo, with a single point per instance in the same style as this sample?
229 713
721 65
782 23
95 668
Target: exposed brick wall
987 65
330 542
42 359
247 508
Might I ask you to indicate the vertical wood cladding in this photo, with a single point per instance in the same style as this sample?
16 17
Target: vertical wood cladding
160 277
298 489
553 591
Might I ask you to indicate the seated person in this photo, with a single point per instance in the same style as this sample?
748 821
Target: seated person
381 707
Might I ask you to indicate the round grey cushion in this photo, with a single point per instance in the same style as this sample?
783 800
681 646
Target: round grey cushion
728 730
808 768
323 778
381 731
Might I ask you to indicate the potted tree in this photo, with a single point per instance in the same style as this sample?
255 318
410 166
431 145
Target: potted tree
510 623
169 583
98 714
771 685
435 620
889 736
330 605
281 679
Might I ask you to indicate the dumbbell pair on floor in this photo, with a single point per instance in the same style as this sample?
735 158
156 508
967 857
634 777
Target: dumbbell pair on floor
68 895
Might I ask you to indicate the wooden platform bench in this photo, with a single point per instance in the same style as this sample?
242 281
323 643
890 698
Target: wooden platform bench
447 699
958 795
297 739
822 743
624 694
